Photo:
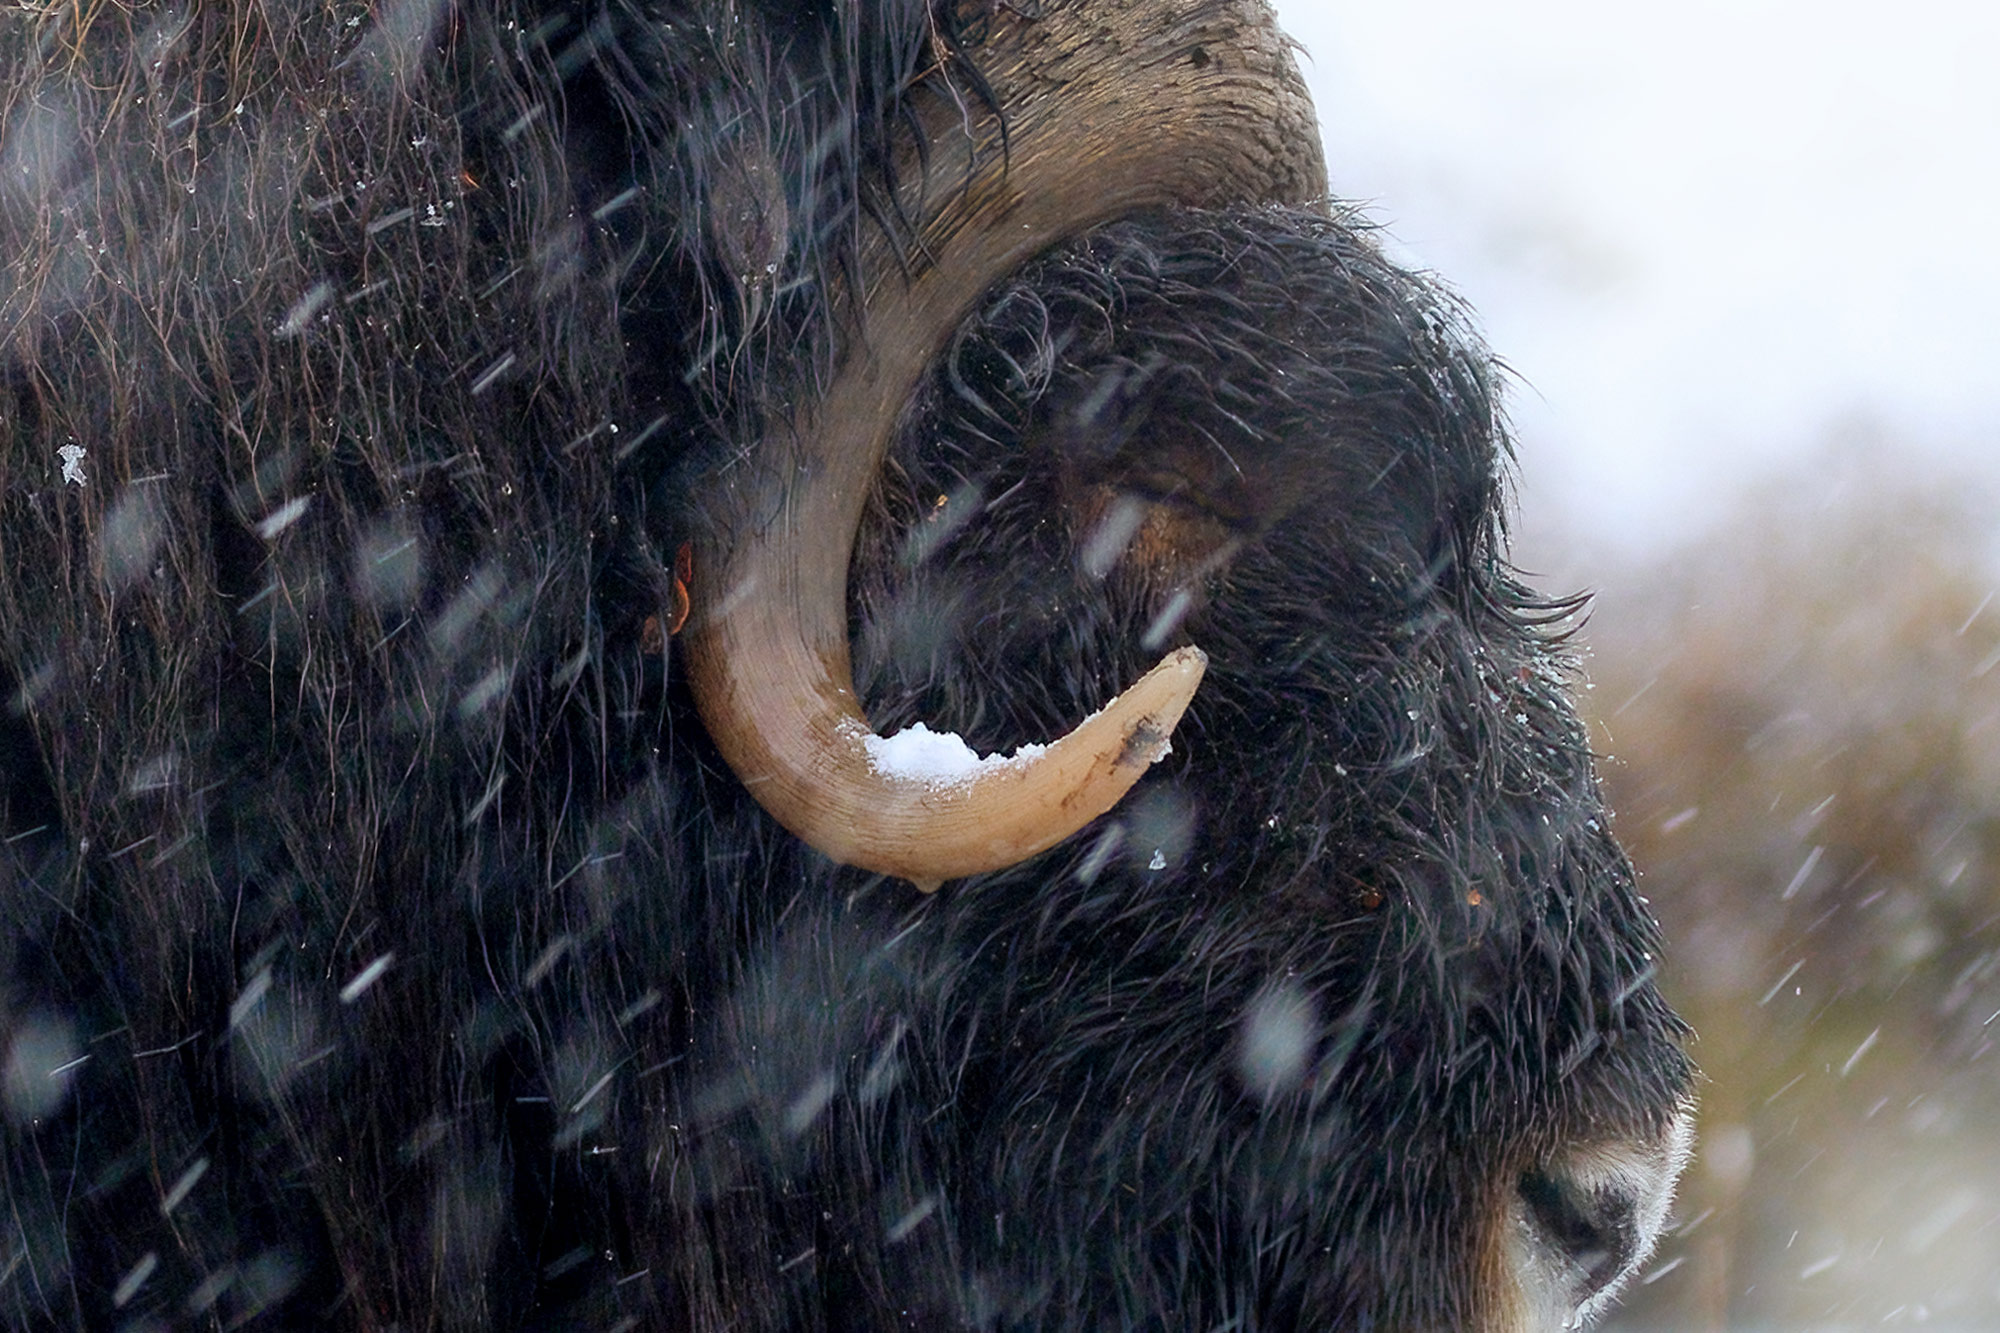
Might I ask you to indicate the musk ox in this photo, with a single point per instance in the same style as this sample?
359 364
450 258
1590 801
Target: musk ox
486 494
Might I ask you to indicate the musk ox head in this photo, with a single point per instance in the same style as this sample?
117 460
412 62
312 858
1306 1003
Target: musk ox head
405 920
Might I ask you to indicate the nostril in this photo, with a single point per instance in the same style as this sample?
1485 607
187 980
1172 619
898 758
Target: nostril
1595 1230
1586 1218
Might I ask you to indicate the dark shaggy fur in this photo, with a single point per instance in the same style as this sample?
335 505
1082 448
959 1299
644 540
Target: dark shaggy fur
401 951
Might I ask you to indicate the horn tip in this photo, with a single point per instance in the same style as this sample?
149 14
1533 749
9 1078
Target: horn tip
1158 700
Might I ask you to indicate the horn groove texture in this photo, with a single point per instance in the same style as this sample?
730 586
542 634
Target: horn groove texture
1110 107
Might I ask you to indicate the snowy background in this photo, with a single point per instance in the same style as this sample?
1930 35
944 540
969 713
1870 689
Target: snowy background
1710 237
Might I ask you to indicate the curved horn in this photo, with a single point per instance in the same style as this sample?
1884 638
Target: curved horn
1111 106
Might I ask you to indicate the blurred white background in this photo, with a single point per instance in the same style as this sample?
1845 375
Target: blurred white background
1709 237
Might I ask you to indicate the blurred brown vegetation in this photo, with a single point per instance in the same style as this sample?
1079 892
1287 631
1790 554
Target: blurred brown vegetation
1802 718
